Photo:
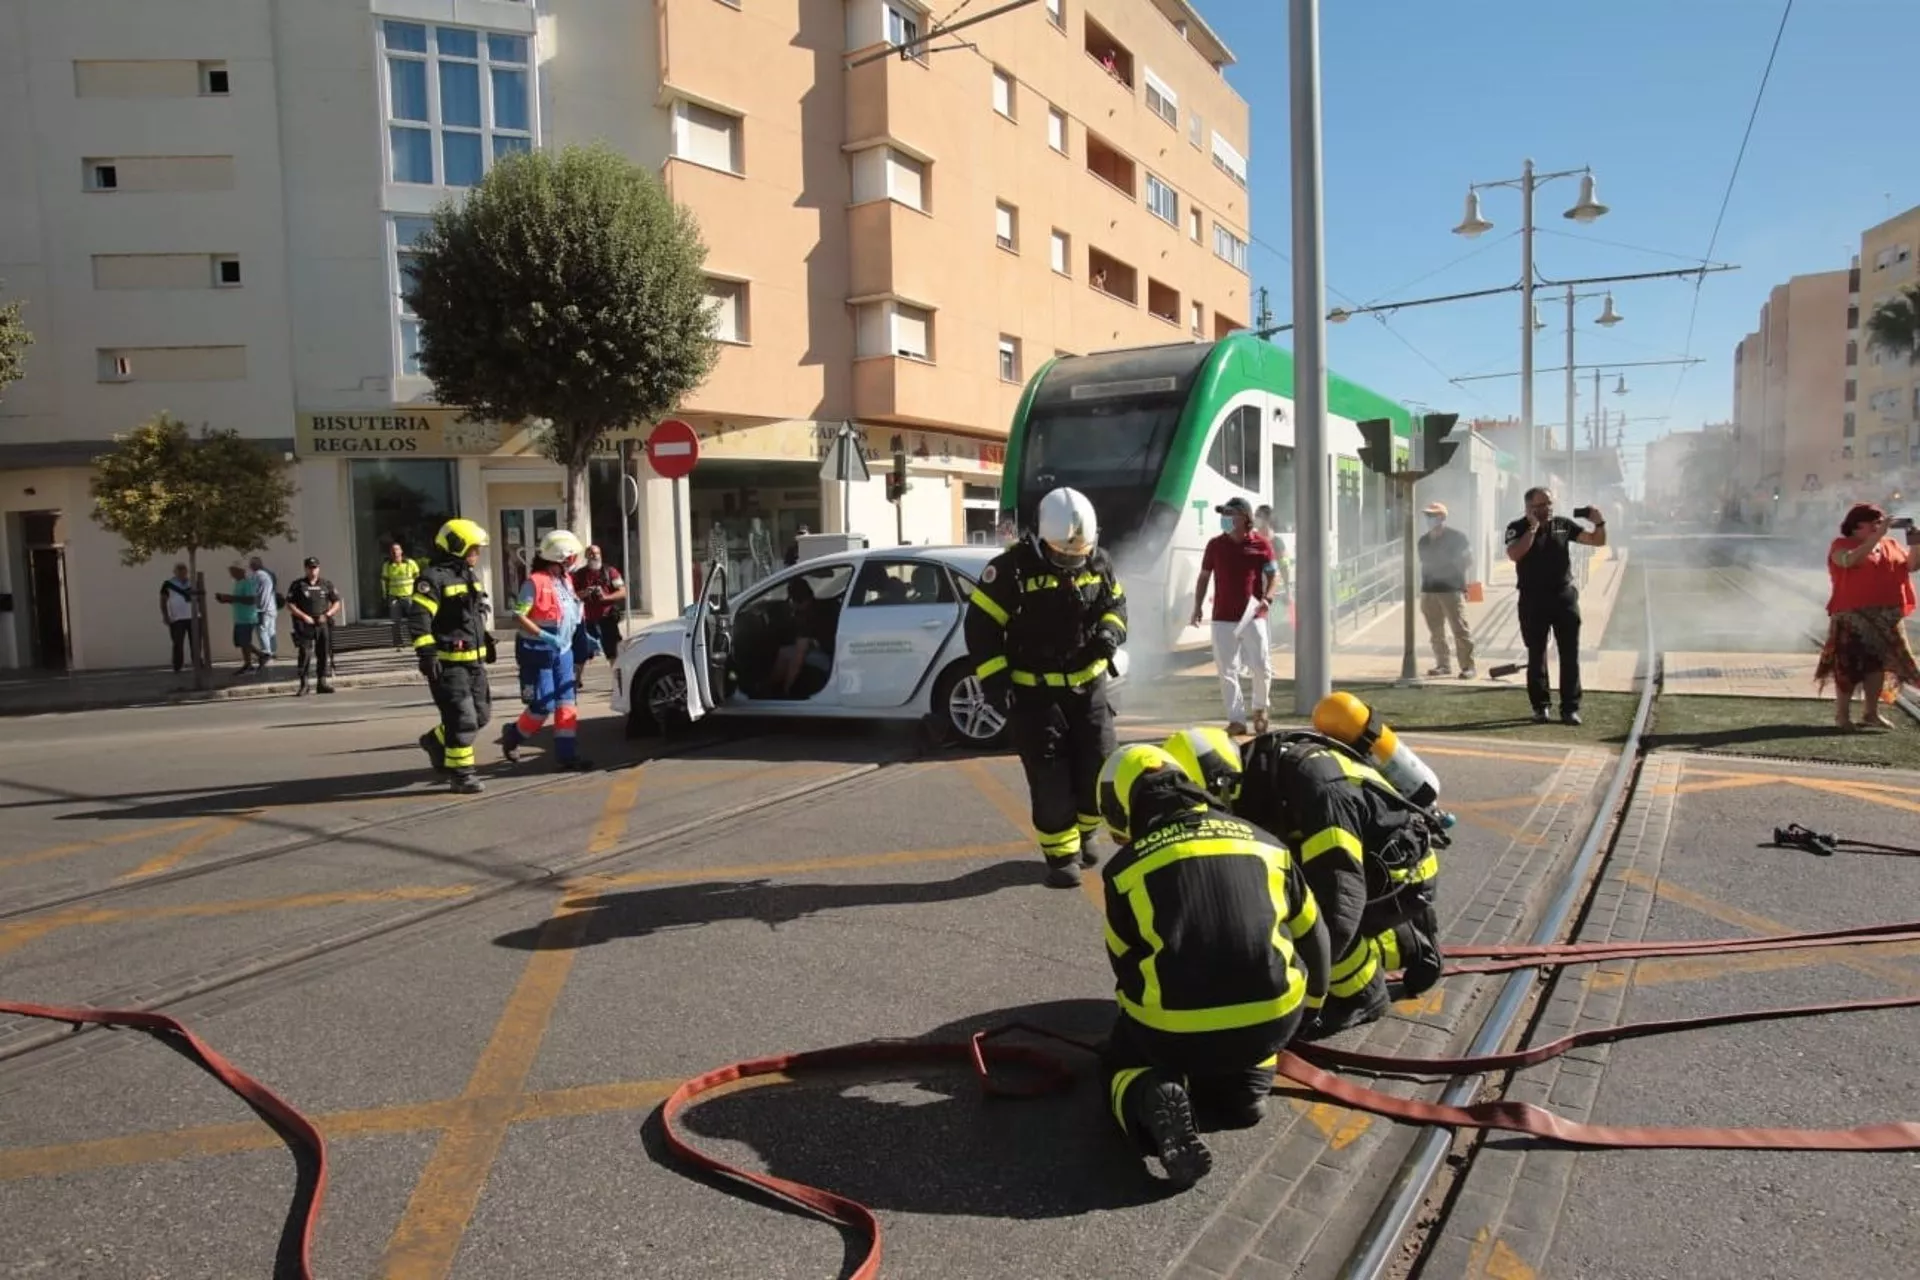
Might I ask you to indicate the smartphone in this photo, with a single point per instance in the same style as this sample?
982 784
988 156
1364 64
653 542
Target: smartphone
1583 513
1901 522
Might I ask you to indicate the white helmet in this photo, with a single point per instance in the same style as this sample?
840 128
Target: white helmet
1068 528
560 546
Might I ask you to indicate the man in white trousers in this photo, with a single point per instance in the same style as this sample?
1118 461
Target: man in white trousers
1242 567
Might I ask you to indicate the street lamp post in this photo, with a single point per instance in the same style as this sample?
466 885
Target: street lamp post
1585 209
1608 317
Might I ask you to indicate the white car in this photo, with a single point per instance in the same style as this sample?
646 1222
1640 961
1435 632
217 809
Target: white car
887 643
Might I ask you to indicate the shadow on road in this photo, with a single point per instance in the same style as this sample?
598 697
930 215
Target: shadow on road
642 912
1707 740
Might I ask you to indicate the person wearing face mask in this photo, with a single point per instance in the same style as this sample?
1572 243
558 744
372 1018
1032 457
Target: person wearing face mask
1043 629
601 589
1446 559
1241 565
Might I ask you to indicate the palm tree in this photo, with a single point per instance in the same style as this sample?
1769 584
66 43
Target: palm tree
1894 326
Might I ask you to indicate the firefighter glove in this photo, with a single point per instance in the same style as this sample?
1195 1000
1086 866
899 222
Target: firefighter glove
429 664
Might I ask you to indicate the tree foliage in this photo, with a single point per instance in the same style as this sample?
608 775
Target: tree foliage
14 341
164 491
567 287
1894 326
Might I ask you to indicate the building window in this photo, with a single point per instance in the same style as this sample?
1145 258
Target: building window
1114 58
1006 227
1195 127
406 234
1193 224
1229 248
1107 163
881 173
226 272
1229 161
912 331
1163 301
893 329
727 303
1199 320
1162 201
1003 93
102 176
1112 277
457 101
1853 352
1853 317
1846 425
1849 391
214 82
903 27
707 137
1061 253
1161 99
1057 13
1057 129
1009 359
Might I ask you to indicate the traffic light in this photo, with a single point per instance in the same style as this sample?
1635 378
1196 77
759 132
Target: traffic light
897 485
1431 448
1376 454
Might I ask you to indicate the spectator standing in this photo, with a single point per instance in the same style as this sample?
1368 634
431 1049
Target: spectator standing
1539 545
176 608
1446 562
267 600
1241 564
1866 630
396 585
313 602
246 618
601 589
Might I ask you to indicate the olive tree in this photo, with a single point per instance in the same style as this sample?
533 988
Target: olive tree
566 289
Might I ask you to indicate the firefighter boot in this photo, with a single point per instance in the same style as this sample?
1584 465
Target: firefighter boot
1063 873
1163 1111
467 784
430 743
1089 832
1341 1013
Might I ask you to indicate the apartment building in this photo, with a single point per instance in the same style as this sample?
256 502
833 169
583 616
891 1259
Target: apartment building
1790 379
1886 407
210 210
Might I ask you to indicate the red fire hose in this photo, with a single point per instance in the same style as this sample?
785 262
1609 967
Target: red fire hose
1307 1066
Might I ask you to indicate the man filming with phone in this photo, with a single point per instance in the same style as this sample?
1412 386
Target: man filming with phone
1539 544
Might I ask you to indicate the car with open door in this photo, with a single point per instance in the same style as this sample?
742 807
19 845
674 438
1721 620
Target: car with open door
873 634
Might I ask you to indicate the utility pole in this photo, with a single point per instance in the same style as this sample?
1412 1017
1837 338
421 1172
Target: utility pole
1313 656
1266 313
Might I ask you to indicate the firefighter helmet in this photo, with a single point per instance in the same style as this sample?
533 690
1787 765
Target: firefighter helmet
1211 758
1118 777
1067 529
560 546
459 536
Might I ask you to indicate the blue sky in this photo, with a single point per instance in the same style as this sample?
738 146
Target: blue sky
1421 98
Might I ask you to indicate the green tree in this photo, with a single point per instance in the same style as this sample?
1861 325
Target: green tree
163 491
566 289
14 341
1894 326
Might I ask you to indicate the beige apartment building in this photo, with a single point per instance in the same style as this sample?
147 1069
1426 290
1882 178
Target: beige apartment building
210 208
1789 387
1886 401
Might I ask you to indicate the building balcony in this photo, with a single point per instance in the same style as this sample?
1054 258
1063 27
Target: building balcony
891 98
698 187
894 250
904 390
696 48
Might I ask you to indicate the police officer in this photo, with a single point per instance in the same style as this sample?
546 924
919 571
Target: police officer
1549 603
1043 627
1368 855
313 601
448 620
1217 951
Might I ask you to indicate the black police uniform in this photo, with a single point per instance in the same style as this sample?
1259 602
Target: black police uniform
1043 639
1368 856
314 639
1218 953
447 618
1549 603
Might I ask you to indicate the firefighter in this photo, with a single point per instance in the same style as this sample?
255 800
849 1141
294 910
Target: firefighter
1043 627
448 621
548 618
1368 855
1218 954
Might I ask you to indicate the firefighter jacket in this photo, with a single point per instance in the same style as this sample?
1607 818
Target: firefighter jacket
1032 625
449 612
1367 853
1210 926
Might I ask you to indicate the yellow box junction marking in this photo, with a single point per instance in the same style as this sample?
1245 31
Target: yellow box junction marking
193 844
104 842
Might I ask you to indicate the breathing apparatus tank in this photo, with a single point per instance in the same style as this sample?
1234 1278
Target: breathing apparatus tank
1345 717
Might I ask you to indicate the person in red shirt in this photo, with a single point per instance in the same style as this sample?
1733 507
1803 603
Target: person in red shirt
601 589
1241 564
1872 598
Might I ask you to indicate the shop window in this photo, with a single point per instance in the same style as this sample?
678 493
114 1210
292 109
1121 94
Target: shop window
395 500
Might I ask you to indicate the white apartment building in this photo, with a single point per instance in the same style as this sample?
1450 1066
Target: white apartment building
209 205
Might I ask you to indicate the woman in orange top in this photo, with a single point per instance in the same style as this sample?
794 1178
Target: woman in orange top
1872 597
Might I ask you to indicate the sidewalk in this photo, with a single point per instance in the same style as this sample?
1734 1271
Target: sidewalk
25 693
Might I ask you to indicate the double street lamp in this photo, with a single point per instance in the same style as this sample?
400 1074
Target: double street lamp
1607 318
1585 209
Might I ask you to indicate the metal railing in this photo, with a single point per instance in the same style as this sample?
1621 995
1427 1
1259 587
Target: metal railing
1364 584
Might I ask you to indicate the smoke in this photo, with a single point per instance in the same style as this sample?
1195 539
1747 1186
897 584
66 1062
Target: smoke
1734 592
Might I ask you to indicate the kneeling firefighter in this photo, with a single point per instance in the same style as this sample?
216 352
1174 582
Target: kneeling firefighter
548 616
1367 853
447 616
1043 628
1218 954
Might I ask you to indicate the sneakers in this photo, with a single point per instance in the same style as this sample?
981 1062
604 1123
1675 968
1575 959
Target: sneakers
1442 670
1166 1114
1539 715
1569 717
1467 672
1063 873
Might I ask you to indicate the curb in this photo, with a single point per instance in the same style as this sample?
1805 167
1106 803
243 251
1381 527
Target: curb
178 697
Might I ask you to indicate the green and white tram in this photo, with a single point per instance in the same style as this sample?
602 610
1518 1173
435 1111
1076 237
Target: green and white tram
1157 437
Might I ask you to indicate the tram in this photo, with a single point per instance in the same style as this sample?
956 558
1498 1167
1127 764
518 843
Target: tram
1157 437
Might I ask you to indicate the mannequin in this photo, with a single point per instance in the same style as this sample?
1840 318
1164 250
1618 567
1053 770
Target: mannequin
760 547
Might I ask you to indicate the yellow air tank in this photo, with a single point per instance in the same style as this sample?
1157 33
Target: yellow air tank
1346 718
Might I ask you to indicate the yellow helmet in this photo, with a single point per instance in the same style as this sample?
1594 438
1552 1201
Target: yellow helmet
1123 769
1211 758
459 536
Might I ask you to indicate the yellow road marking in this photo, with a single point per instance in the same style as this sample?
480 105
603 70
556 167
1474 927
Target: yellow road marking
423 1246
104 842
1339 1126
768 870
1480 753
185 849
1432 1000
996 794
1491 1258
1838 787
613 816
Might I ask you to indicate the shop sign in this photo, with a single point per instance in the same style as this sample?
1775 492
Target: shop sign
410 430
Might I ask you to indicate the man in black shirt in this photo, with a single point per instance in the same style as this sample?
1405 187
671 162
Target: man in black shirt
1538 543
313 602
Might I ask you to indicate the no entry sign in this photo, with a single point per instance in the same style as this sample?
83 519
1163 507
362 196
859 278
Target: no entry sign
673 448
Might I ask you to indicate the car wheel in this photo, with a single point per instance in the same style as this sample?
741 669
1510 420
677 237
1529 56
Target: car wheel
659 699
963 708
